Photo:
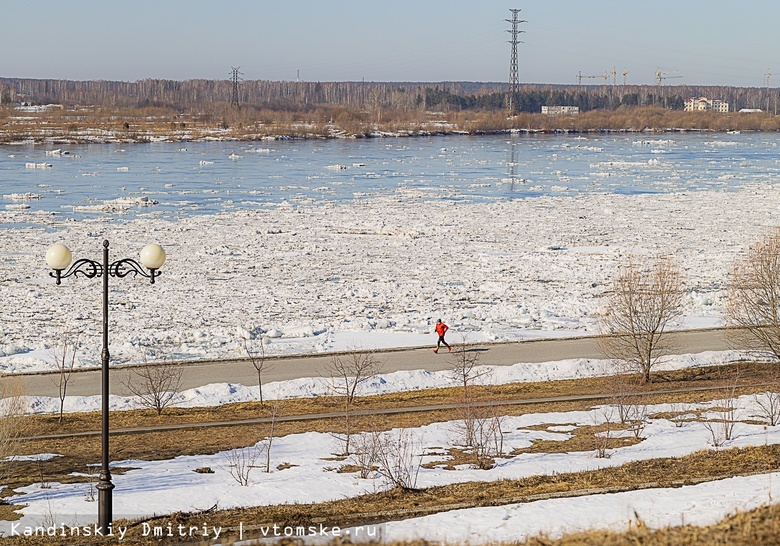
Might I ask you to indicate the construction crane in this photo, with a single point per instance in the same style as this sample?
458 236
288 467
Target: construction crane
580 76
661 76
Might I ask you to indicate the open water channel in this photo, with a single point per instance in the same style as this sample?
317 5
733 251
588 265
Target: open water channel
173 179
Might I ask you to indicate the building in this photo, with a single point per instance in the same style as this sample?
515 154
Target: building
702 104
558 110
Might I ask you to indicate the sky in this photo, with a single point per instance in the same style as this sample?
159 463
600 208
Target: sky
693 42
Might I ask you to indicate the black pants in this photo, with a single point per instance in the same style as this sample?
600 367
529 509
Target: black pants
441 340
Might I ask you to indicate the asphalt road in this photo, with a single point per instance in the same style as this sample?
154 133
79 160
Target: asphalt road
197 374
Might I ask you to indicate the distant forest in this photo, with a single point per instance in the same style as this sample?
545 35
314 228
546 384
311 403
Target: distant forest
410 96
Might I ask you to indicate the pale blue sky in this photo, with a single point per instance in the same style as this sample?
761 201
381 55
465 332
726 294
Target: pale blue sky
706 42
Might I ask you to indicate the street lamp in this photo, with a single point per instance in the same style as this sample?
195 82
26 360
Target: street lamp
59 257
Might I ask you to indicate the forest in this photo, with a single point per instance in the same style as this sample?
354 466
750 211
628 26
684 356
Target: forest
406 96
146 110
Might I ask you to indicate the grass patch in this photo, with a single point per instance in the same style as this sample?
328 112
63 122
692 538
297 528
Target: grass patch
398 504
583 438
758 526
203 441
374 508
751 373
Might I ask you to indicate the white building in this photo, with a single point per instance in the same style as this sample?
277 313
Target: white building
558 110
703 103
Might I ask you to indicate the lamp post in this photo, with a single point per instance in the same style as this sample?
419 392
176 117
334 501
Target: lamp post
59 257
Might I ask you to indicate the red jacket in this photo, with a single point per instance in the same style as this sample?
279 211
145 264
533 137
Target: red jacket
441 328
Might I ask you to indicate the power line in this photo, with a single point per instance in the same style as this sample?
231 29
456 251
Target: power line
235 78
514 79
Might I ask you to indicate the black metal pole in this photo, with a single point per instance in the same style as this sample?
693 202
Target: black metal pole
105 486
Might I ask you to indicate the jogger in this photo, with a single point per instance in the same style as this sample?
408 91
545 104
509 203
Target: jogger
441 329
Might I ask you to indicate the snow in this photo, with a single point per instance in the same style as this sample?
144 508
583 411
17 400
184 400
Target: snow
380 267
217 394
309 277
156 487
702 504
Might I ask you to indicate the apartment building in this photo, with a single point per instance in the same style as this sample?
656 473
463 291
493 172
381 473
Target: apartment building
558 110
703 103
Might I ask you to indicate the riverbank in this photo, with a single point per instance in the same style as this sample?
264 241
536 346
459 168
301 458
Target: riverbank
56 124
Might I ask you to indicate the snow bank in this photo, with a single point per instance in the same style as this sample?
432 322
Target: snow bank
217 394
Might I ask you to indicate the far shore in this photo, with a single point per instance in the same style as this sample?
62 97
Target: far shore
145 139
82 125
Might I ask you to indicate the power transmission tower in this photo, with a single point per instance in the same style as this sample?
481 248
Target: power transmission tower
235 78
514 80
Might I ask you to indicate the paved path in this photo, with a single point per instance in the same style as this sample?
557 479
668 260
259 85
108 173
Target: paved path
197 374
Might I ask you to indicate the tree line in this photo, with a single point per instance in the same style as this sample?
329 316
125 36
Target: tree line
410 96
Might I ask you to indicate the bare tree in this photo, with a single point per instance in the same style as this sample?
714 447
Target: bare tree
155 385
241 460
643 301
481 429
722 429
365 452
753 304
398 458
769 405
64 356
623 385
348 373
681 412
256 354
603 416
637 417
464 366
274 413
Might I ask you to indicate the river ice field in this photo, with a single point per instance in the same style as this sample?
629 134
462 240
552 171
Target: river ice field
314 247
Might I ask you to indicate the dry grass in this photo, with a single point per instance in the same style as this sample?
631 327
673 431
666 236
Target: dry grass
751 373
398 504
200 440
372 508
582 439
756 527
91 124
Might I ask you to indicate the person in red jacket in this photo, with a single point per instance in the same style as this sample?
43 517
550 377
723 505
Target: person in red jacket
441 329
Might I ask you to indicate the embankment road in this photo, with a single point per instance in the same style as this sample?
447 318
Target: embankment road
240 371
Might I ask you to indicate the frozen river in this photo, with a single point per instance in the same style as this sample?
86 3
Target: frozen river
170 179
321 245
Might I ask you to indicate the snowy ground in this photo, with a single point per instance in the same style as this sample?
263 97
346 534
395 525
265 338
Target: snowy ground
217 394
159 487
312 278
703 504
378 273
